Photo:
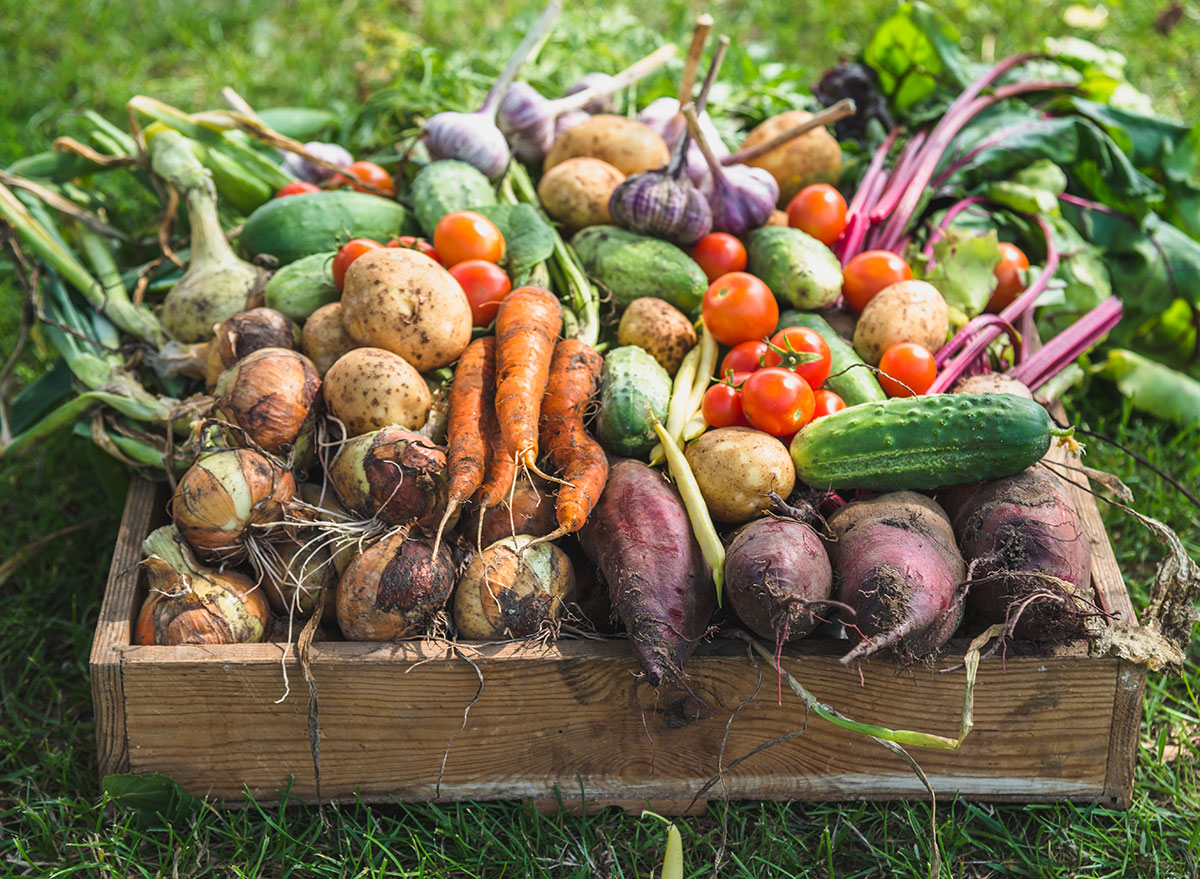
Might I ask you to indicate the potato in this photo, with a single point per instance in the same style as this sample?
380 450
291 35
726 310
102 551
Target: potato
576 193
512 590
658 327
736 468
908 311
404 302
813 157
370 388
628 145
323 339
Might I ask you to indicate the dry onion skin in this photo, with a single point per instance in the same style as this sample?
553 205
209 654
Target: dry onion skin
245 333
396 589
191 604
513 590
271 395
295 575
223 496
393 475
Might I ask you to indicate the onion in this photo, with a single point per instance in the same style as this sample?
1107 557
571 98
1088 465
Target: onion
396 589
245 333
223 496
191 604
271 395
393 475
296 574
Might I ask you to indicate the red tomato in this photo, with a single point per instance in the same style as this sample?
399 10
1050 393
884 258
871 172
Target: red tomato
744 357
463 235
826 403
719 253
350 251
485 285
738 308
297 188
358 173
818 210
1008 277
802 340
722 407
906 369
411 242
777 401
868 273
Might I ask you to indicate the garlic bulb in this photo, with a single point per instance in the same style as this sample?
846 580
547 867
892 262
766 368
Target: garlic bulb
742 198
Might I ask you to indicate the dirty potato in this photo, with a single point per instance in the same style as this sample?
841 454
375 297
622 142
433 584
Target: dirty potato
658 327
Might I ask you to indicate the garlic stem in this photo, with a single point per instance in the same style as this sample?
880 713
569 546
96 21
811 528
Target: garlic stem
638 70
679 158
843 108
691 64
536 34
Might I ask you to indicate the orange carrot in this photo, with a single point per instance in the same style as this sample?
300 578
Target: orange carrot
527 326
501 468
466 446
574 380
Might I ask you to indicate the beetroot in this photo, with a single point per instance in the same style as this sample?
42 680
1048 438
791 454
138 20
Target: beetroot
1022 541
775 571
896 565
661 587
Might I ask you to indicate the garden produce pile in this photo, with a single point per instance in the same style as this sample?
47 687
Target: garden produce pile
592 363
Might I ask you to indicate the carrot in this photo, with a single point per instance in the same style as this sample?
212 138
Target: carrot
574 379
501 468
527 326
466 446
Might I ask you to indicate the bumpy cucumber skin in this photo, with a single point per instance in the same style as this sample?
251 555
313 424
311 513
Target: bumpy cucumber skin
799 269
301 225
446 186
300 288
631 266
633 385
854 385
922 442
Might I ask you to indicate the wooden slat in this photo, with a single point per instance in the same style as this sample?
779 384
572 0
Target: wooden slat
113 628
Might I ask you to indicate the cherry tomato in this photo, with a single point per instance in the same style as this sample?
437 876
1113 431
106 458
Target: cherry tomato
719 253
411 242
738 308
358 173
463 235
297 188
1008 277
906 369
485 285
802 340
777 401
868 273
722 407
818 210
350 251
826 403
744 357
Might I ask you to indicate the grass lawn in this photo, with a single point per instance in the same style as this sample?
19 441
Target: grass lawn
61 57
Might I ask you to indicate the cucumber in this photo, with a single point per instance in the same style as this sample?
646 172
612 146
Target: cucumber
798 268
849 377
316 222
923 442
446 186
631 266
632 386
301 287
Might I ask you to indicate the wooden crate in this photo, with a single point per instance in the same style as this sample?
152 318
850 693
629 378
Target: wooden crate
569 723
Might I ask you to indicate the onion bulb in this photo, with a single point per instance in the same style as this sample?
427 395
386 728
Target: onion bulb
223 496
395 589
512 589
191 604
271 395
245 333
393 475
295 575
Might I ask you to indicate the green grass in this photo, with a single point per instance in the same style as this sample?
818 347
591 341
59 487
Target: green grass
60 57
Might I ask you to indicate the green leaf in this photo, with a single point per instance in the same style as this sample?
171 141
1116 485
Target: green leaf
1153 388
1020 197
528 239
1043 174
964 270
155 794
915 51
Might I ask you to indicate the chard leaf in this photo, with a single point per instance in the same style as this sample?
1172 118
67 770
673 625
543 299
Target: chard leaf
964 269
1019 197
1154 388
528 239
915 51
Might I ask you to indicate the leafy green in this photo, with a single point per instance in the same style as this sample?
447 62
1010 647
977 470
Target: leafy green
528 239
1153 388
964 269
155 794
916 51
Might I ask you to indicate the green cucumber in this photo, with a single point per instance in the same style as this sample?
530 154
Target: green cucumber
301 225
799 269
631 266
301 287
446 186
923 442
633 386
849 377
